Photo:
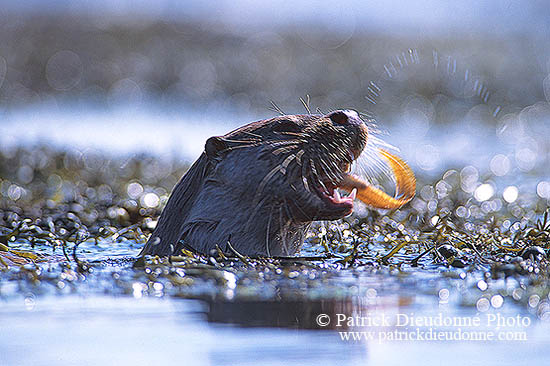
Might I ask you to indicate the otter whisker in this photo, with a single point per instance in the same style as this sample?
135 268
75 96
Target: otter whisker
255 211
260 137
316 174
286 162
284 150
279 168
303 170
313 169
331 166
267 178
302 235
288 133
299 155
329 173
242 141
267 143
286 142
304 181
276 108
239 147
283 232
306 104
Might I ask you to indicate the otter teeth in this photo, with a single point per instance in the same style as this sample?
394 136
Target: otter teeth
336 196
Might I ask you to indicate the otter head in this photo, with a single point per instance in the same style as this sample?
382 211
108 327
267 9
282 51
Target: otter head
290 164
260 186
268 180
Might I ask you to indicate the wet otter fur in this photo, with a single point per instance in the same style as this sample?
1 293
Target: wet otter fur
261 186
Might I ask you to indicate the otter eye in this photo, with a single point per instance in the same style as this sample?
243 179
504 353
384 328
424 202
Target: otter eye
286 126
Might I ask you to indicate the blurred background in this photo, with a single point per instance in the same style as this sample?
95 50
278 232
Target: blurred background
449 83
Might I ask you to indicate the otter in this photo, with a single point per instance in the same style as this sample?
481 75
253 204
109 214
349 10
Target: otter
259 187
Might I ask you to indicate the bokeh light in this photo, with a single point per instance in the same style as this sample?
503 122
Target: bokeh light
510 194
484 192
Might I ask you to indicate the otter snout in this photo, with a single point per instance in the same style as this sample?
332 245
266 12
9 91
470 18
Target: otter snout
356 127
345 116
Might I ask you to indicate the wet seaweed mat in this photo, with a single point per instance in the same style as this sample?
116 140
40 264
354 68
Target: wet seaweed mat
73 222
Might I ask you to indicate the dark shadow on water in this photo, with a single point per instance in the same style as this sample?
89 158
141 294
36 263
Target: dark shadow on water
298 314
313 314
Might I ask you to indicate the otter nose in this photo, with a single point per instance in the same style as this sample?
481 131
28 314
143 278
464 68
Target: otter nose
344 117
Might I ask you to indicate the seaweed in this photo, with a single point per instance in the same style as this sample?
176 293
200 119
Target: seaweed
62 225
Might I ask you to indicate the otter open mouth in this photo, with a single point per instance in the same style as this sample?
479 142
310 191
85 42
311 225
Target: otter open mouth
335 201
368 194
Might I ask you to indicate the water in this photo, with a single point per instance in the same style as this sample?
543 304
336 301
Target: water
110 330
114 331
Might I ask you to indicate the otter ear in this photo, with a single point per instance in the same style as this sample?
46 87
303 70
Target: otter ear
339 117
214 146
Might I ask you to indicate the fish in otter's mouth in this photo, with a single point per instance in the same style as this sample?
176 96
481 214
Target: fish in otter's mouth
260 187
